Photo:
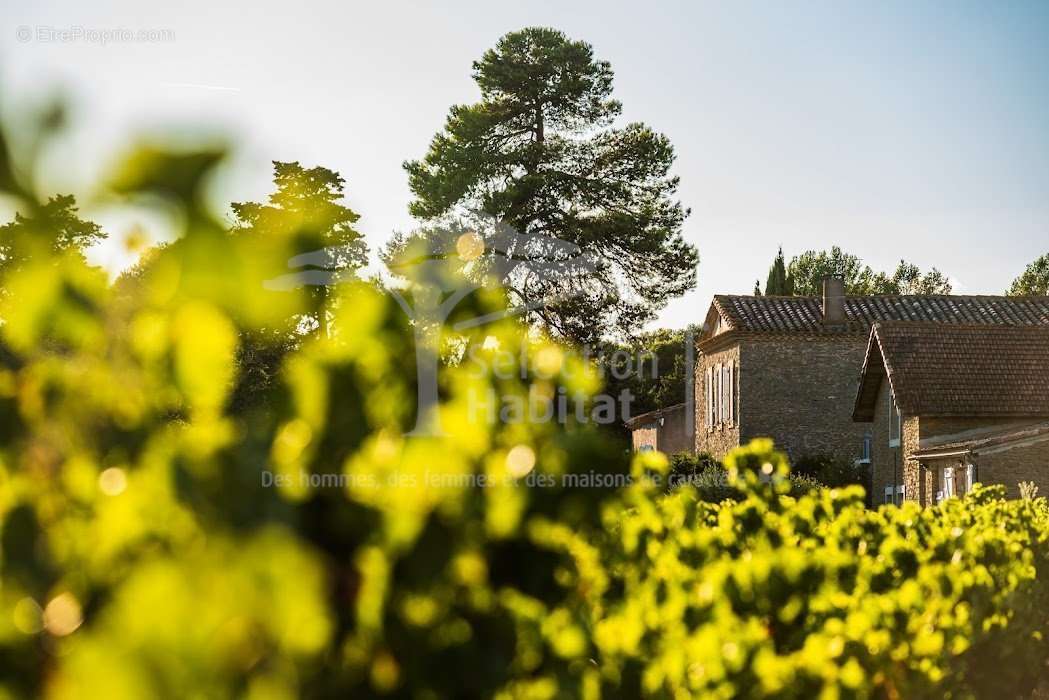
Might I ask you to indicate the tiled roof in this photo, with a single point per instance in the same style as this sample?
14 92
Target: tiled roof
805 314
937 369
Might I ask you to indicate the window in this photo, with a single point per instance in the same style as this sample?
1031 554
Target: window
865 449
898 495
708 382
957 480
717 394
735 393
895 423
726 394
721 394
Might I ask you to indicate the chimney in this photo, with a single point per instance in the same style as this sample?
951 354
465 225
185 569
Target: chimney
833 300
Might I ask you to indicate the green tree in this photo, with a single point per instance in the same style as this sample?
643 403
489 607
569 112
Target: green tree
779 282
307 207
908 279
808 270
1033 281
652 367
539 152
51 227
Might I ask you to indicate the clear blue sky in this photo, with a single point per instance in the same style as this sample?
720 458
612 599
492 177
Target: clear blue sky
893 129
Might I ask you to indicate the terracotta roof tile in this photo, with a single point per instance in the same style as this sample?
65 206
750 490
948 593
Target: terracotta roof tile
938 369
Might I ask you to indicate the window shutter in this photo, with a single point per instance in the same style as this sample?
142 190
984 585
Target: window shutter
718 397
736 393
724 394
709 380
731 394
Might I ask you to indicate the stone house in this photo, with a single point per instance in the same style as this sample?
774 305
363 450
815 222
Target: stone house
950 405
665 429
789 367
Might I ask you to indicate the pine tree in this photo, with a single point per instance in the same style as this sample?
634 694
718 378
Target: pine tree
307 207
541 154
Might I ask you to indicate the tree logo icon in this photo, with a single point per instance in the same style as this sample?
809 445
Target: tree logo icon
441 267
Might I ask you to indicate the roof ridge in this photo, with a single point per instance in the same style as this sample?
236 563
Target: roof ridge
953 327
1001 297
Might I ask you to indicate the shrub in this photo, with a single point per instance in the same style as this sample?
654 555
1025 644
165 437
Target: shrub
1028 490
712 481
830 470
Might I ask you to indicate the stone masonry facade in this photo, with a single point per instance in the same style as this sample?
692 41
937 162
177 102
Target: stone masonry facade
717 438
665 430
796 389
921 479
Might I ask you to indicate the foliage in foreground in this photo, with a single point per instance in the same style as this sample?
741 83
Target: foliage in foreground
820 596
143 557
153 543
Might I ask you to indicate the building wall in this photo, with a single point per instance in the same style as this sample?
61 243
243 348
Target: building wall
1008 467
673 435
645 435
719 439
937 426
886 460
800 391
914 488
669 437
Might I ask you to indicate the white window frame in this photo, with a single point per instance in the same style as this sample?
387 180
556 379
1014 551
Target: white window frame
894 413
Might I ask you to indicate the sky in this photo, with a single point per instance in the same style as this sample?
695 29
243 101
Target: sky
915 130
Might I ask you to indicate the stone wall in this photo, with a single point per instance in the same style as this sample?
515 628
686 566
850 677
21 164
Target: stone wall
719 439
800 391
913 489
886 460
1008 466
673 434
666 432
646 434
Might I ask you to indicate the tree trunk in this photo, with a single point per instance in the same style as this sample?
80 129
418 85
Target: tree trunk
322 313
